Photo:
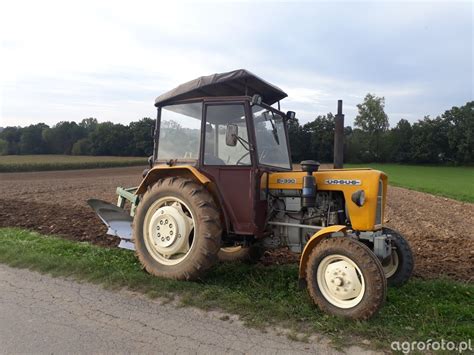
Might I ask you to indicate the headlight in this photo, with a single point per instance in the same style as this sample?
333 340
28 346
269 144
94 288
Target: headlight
358 197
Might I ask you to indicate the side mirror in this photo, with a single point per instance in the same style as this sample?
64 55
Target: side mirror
291 115
231 134
256 100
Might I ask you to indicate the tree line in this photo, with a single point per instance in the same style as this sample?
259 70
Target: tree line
88 137
448 138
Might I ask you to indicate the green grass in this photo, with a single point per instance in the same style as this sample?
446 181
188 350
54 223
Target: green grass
453 182
420 310
13 163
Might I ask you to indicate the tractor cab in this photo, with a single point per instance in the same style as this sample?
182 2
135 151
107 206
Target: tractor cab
222 120
225 127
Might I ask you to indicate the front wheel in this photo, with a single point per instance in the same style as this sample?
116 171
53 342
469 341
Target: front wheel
345 278
177 229
399 266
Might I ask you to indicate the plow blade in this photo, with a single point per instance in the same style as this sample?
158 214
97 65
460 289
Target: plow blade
118 221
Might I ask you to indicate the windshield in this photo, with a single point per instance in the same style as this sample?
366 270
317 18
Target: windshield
272 146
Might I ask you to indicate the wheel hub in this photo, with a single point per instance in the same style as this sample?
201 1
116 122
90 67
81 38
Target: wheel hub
342 280
390 266
169 228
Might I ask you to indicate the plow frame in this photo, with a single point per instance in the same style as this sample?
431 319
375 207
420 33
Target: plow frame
128 194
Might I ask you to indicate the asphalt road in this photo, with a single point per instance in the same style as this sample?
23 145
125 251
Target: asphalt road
41 314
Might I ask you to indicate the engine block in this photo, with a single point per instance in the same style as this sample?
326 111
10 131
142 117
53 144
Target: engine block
292 226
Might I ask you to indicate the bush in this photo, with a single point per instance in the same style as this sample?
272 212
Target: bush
81 147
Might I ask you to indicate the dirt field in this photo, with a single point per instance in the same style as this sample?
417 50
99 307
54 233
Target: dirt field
440 230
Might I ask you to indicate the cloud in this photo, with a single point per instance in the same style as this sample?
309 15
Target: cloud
67 61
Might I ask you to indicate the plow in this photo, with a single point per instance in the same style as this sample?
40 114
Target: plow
221 186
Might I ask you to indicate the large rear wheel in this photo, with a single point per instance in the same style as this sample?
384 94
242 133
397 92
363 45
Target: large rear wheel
177 229
345 278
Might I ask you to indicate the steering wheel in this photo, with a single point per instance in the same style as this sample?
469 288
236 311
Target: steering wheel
239 162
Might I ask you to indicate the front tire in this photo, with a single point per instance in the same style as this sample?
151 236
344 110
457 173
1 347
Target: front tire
177 229
399 268
346 279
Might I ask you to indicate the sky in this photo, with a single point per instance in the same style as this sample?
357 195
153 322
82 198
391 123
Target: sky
68 60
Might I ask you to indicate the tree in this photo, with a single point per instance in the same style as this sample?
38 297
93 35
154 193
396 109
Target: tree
356 147
373 121
89 124
320 131
62 137
400 142
429 141
110 139
141 137
298 141
82 147
3 147
460 133
31 141
12 136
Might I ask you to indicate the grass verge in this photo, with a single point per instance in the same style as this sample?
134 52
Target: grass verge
23 163
420 310
453 182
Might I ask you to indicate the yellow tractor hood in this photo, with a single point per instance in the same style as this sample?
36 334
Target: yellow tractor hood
347 181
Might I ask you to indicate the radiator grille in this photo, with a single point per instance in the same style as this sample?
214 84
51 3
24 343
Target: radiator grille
379 212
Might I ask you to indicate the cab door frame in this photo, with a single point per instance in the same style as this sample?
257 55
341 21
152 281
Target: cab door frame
241 203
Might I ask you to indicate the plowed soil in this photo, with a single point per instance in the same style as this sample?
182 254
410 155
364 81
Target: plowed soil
440 230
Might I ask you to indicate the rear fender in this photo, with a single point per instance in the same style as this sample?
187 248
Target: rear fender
187 171
160 172
312 243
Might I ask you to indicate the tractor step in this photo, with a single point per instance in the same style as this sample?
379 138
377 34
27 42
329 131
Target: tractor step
118 221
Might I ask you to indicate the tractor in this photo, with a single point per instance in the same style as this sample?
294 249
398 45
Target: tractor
221 186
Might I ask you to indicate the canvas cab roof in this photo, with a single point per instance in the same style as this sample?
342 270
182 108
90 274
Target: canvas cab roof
239 82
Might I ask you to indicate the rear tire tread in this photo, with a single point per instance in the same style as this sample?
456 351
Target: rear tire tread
207 219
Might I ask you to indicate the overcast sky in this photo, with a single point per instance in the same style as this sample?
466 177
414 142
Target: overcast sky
69 60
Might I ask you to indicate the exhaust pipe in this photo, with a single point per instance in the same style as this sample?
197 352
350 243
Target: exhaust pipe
339 137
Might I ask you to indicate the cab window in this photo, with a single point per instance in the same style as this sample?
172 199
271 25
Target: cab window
180 130
221 120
